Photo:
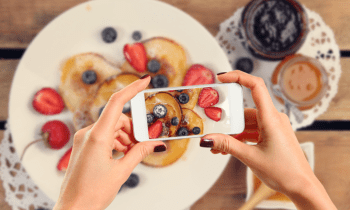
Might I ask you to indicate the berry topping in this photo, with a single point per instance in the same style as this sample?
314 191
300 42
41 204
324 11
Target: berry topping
153 66
198 75
245 64
196 130
183 98
89 77
160 81
208 97
213 113
132 181
48 102
63 162
155 130
135 54
175 121
136 35
159 111
182 132
109 35
150 118
127 107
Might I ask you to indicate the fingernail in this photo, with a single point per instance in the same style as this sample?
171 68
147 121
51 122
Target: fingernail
159 148
144 76
206 143
221 73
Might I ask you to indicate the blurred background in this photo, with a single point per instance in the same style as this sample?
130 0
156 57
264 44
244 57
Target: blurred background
21 21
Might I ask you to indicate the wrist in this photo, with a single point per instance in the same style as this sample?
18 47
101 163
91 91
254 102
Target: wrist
311 195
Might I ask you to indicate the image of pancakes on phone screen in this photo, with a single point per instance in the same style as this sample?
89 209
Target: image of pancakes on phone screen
188 111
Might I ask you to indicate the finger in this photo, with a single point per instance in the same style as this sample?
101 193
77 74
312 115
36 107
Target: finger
227 144
257 86
248 136
113 109
124 123
123 138
214 151
137 153
119 146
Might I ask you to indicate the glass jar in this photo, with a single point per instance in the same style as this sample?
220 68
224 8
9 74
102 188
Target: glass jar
273 29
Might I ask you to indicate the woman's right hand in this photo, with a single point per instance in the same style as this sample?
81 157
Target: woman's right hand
277 159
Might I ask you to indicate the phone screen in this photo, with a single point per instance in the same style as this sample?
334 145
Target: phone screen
193 111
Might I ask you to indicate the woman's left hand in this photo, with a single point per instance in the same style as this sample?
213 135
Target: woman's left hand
93 178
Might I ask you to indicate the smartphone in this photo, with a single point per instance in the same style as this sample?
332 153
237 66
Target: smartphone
187 111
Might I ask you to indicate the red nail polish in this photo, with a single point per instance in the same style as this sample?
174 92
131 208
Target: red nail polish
206 143
159 148
144 76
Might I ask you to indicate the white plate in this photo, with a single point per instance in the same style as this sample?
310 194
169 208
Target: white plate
78 30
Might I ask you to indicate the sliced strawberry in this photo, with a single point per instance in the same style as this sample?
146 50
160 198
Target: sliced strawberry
155 130
48 102
63 163
135 54
198 75
213 113
208 97
55 133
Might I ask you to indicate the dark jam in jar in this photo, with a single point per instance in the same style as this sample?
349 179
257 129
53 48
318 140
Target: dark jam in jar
274 28
276 25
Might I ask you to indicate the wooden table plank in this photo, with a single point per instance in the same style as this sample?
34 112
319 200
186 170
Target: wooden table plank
7 71
20 21
339 108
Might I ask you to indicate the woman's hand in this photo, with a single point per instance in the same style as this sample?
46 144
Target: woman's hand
93 178
277 159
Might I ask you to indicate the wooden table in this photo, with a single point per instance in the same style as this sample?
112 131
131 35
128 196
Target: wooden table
20 21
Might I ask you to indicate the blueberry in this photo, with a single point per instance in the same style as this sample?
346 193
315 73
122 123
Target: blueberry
179 91
101 110
245 65
153 66
137 36
127 107
132 181
89 77
196 130
183 98
159 111
175 121
150 118
160 81
182 132
109 34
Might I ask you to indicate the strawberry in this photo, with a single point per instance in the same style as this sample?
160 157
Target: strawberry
48 102
54 133
208 97
63 163
213 113
155 130
135 54
198 75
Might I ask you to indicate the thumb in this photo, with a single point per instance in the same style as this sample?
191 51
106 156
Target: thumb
227 144
139 152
